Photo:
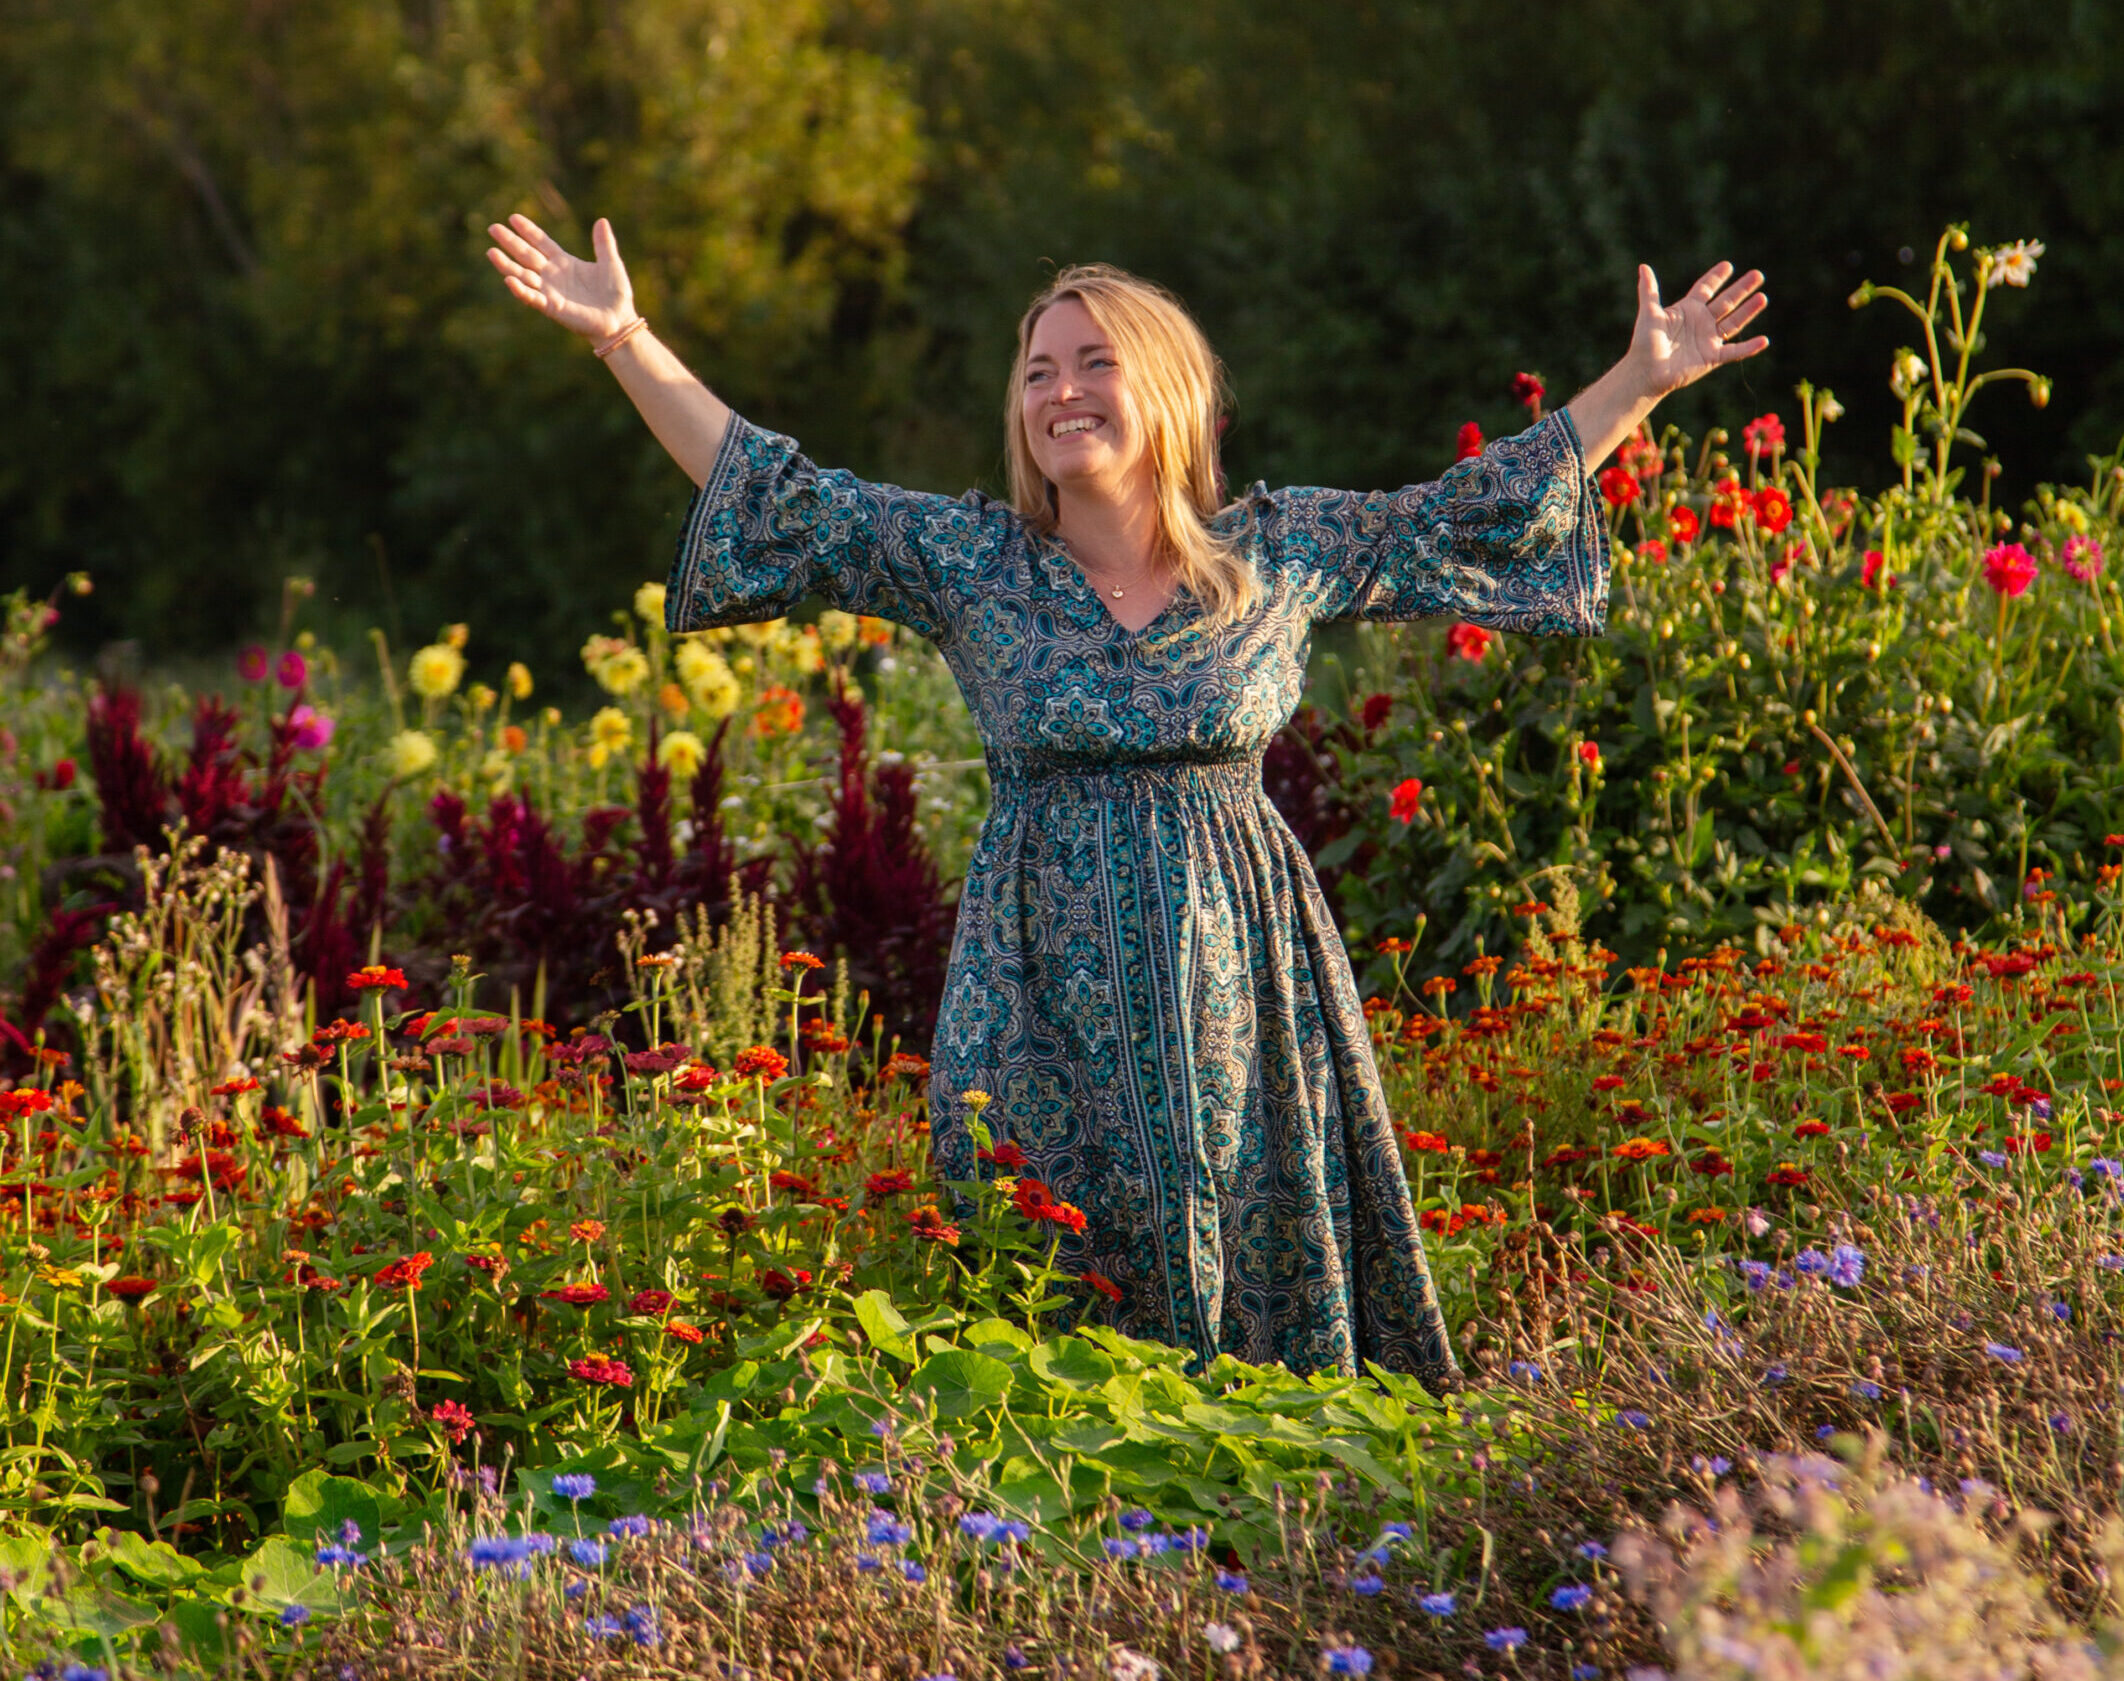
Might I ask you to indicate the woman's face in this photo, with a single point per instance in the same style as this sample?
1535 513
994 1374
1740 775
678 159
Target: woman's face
1076 403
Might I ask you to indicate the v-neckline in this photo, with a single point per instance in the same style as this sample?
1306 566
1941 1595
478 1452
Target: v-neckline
1069 562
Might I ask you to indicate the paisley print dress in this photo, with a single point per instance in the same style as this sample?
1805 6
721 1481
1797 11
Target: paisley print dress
1145 977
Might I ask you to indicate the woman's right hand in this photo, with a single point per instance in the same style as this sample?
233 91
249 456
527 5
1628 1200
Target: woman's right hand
593 299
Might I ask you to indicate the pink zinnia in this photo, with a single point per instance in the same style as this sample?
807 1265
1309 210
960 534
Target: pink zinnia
253 664
293 670
2009 569
2082 558
313 729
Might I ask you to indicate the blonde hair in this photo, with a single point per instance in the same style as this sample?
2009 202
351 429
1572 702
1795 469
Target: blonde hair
1177 393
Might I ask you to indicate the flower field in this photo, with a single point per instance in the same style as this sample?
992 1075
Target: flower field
465 1204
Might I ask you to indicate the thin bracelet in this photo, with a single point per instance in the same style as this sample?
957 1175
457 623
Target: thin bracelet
621 337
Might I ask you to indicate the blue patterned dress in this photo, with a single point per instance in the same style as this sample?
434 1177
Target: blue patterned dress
1145 977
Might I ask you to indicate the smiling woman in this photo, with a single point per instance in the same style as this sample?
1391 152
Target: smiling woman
1145 978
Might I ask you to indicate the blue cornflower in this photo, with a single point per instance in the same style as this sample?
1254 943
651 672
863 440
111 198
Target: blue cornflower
641 1623
1822 1432
1592 1549
1634 1419
759 1563
1866 1390
913 1571
1757 1273
575 1485
1992 1158
350 1533
1397 1532
1015 1658
603 1628
2041 1106
488 1551
1847 1265
2061 1423
588 1554
576 1589
1716 1466
1232 1581
294 1616
2106 1167
84 1672
2003 1351
885 1530
791 1534
1137 1519
538 1544
1367 1585
1812 1262
941 1675
333 1554
2062 1311
1011 1529
1120 1546
1572 1598
1504 1639
1190 1540
866 1563
2110 1263
1438 1604
1775 1374
980 1525
873 1482
1585 1672
634 1524
1347 1660
1783 1280
1525 1371
881 1427
1156 1546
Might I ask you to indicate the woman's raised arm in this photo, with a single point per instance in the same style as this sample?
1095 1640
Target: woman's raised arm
596 301
1669 348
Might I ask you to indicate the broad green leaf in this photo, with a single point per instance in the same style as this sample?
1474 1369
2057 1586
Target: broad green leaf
996 1333
960 1383
1072 1363
155 1562
317 1503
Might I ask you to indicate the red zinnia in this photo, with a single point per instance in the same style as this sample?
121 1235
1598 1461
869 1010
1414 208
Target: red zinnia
649 1301
578 1295
1683 525
376 975
1377 709
1101 1283
889 1184
1528 389
1468 642
131 1288
597 1369
1427 1143
1470 441
680 1329
405 1272
1005 1154
783 1285
1406 799
454 1416
763 1060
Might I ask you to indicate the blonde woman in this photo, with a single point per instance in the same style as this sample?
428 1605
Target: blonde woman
1145 977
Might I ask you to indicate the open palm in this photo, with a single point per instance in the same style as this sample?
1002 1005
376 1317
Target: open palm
593 299
1675 346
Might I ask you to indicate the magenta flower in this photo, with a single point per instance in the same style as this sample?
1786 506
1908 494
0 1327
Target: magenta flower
2082 558
313 729
252 664
293 670
2009 569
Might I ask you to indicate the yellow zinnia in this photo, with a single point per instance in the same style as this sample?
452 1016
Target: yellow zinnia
435 671
837 629
761 635
681 753
807 653
519 680
710 683
611 731
619 667
412 751
649 603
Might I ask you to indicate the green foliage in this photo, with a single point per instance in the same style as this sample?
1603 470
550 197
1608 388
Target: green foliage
1799 689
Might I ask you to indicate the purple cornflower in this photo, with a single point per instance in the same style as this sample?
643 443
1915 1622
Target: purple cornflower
1438 1604
2003 1351
633 1526
350 1534
1775 1374
1524 1371
2062 1311
2106 1167
1866 1390
294 1616
575 1485
2110 1263
1812 1262
1572 1598
884 1530
1347 1660
1368 1584
873 1482
1635 1419
1847 1266
1121 1546
1757 1273
588 1554
913 1571
1232 1581
1992 1158
2061 1423
1504 1639
333 1554
1136 1520
1592 1549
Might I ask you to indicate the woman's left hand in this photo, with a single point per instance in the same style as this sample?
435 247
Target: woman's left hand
1673 347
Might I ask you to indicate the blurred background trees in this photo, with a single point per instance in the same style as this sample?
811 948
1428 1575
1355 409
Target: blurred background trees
249 331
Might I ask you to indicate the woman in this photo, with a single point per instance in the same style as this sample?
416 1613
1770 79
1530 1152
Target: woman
1145 977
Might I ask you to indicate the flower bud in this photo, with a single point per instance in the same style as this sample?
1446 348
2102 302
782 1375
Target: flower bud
2039 393
1958 239
1807 717
1863 296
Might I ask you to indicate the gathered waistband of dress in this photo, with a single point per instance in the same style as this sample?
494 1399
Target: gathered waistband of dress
1238 774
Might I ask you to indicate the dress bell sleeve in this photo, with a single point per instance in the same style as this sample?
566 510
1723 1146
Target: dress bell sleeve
769 528
1511 539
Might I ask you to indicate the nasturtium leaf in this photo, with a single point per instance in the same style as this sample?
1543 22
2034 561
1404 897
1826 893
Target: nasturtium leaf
1072 1363
884 1326
960 1383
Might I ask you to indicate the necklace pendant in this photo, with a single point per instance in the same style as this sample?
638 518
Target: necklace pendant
1117 592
